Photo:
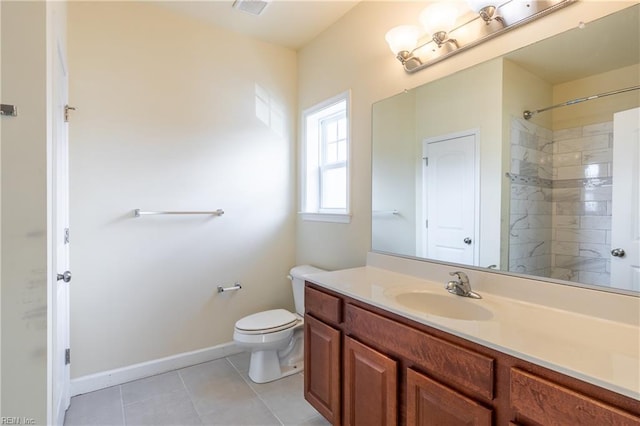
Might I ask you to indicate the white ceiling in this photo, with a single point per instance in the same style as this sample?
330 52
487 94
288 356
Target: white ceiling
288 23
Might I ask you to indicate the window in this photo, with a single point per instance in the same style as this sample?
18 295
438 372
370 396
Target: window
325 161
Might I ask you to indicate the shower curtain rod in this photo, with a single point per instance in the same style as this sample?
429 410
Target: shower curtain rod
528 114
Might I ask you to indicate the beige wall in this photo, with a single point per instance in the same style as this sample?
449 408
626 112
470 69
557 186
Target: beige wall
521 89
352 54
24 212
394 180
599 110
400 126
166 120
474 112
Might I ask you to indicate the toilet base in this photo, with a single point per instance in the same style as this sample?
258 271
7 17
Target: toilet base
265 367
269 365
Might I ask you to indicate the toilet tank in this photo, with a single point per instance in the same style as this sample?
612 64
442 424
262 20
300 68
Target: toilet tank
296 275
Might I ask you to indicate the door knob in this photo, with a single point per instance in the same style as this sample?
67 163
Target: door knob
65 276
617 252
467 241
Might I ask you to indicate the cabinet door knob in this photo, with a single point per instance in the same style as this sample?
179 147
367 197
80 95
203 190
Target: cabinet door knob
467 241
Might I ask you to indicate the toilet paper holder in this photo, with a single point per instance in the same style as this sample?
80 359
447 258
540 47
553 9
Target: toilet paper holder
234 287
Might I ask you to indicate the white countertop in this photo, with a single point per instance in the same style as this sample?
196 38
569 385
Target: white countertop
597 350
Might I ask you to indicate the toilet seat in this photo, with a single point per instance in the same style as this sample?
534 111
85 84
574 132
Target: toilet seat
267 322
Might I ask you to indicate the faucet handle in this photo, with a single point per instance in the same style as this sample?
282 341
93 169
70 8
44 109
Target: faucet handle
452 286
461 275
462 286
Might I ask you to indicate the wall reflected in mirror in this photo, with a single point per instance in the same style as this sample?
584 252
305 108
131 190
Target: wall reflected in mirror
460 176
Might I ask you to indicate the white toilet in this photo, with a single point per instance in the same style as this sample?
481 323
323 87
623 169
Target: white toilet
275 337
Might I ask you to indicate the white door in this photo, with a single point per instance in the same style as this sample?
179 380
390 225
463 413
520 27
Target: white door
450 189
59 232
625 229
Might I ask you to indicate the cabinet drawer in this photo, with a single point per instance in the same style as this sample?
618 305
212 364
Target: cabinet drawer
461 368
548 403
322 305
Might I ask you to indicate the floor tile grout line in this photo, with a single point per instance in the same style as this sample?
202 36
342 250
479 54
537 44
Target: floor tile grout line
124 415
255 392
147 398
190 397
250 383
238 367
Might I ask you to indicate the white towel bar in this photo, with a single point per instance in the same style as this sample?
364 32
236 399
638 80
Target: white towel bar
138 213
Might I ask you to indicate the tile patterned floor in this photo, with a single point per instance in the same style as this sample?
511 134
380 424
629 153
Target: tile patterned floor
214 393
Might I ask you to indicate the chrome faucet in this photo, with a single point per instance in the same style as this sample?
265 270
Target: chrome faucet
461 286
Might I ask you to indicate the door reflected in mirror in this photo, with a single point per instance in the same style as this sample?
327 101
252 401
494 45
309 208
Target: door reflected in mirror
459 175
449 197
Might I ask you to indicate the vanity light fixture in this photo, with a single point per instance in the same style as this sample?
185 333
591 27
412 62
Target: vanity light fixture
449 28
402 40
486 9
438 19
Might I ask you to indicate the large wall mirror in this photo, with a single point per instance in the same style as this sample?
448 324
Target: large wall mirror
460 176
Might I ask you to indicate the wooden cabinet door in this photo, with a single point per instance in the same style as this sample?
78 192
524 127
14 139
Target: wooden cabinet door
430 403
370 386
322 368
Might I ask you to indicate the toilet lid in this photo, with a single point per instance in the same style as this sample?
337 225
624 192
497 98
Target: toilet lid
267 321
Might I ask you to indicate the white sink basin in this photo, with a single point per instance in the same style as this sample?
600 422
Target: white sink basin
442 305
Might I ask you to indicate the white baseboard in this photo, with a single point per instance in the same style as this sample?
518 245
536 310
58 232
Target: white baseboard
105 379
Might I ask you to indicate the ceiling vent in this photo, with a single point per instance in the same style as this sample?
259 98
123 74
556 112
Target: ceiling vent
254 7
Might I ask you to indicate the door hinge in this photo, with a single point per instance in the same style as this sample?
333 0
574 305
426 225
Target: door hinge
426 223
67 108
67 356
66 235
426 161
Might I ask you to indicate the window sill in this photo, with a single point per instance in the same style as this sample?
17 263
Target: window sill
326 217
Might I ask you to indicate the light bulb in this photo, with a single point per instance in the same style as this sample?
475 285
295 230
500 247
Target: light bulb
439 17
402 38
478 5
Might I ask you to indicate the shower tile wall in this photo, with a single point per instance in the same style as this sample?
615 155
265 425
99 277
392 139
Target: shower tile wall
530 226
560 224
582 177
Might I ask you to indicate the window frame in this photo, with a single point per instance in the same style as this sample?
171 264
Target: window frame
316 213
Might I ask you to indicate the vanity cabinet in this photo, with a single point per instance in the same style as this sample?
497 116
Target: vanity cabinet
367 366
432 370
